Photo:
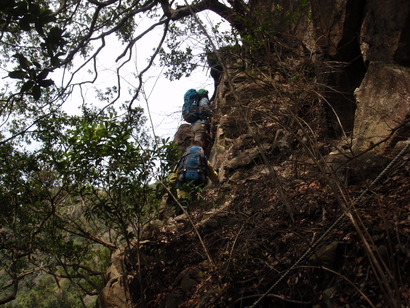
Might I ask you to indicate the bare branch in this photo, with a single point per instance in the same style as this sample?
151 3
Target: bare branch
187 10
149 65
82 233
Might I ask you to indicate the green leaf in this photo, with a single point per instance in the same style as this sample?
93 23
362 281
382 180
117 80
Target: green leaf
37 64
21 8
54 35
34 9
24 63
46 83
36 92
55 61
18 74
24 24
43 74
26 86
46 16
39 27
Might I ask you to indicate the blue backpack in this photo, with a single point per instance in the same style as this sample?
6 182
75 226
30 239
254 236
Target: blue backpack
193 166
190 108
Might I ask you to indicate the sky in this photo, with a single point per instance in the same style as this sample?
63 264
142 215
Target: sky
164 97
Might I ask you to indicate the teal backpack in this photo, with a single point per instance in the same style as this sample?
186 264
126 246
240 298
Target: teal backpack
190 108
193 166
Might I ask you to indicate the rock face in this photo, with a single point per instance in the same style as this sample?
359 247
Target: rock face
363 48
351 35
337 57
183 137
385 32
116 293
344 99
383 101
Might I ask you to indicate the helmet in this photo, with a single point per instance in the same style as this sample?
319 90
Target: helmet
202 92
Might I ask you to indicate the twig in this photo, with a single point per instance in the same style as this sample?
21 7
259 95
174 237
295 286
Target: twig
341 218
281 297
346 279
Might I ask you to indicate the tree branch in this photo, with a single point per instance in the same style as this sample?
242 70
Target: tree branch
183 11
82 233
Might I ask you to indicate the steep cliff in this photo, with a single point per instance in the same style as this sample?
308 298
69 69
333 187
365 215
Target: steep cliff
311 140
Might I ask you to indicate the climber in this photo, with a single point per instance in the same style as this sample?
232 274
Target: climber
197 111
200 128
192 170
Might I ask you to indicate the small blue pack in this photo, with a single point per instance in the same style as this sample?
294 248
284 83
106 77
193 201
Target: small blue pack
193 166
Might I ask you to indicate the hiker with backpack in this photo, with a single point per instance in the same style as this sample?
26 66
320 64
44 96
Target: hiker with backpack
192 170
197 111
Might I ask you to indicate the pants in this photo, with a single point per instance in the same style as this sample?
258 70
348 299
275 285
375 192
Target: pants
201 134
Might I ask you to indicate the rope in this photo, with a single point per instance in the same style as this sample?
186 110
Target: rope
333 226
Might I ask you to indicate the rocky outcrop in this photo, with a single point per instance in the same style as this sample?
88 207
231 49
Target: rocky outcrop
385 32
116 293
383 112
351 35
369 78
183 137
342 106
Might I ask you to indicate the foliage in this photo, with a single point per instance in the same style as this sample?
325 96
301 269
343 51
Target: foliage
192 192
48 294
38 37
187 47
84 190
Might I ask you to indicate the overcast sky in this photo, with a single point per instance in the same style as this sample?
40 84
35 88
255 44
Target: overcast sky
165 98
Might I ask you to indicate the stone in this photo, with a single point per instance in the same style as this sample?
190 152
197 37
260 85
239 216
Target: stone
383 105
385 33
327 255
183 137
116 293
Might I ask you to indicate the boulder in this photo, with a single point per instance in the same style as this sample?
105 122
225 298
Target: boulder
385 32
183 137
383 106
336 23
116 293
